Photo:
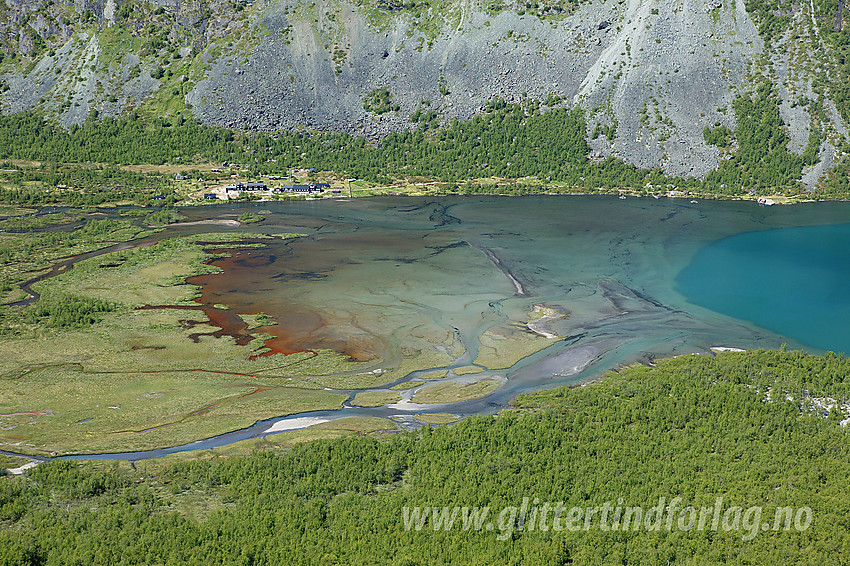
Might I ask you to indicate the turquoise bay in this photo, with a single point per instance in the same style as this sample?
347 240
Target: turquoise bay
792 281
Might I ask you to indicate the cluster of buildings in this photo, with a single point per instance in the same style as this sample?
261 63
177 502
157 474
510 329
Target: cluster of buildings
260 186
237 189
233 191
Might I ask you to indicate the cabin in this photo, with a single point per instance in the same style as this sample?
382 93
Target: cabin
260 186
210 196
230 188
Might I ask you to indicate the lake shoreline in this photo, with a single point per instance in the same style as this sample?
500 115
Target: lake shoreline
621 193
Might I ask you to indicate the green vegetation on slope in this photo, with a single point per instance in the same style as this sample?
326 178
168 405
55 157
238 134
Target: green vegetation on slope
379 101
771 17
762 160
692 427
832 15
508 141
837 182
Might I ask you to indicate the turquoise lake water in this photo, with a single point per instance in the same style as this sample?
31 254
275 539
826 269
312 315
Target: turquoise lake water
792 281
386 278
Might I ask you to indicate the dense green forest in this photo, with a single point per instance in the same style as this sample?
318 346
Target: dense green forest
770 18
737 426
507 141
128 140
85 185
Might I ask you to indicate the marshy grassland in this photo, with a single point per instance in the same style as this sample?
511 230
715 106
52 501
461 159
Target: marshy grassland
115 351
504 345
375 398
8 461
453 391
10 210
25 254
437 418
84 370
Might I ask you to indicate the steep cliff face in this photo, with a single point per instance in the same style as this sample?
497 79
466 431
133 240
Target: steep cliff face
27 27
75 59
650 75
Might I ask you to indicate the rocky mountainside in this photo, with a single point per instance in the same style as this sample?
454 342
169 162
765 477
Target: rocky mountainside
651 76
